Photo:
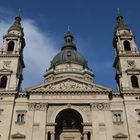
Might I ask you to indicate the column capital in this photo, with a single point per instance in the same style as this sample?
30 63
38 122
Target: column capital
52 132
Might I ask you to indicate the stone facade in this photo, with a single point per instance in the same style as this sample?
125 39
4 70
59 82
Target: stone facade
68 105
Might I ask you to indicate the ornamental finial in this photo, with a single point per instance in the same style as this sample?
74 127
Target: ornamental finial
118 12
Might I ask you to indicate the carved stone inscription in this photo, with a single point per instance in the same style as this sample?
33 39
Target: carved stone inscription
100 106
37 106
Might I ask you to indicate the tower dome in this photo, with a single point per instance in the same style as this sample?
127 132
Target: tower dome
69 54
68 62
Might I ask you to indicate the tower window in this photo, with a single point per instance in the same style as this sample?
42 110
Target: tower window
134 81
3 82
138 116
10 46
127 46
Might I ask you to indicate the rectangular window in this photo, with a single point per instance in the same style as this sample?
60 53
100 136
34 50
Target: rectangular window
20 116
117 116
138 114
1 110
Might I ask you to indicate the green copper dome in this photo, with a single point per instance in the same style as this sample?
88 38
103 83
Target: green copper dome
69 54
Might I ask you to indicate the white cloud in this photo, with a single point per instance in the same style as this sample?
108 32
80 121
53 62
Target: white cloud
38 52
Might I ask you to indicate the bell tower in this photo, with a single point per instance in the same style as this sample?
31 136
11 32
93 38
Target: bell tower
11 57
127 57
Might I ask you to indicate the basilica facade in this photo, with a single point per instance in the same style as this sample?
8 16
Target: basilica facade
68 104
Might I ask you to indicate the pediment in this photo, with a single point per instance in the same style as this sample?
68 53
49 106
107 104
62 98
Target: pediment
4 70
120 135
18 135
133 69
69 84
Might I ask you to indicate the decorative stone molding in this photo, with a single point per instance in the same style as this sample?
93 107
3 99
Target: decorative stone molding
69 84
68 92
8 93
51 124
36 124
38 106
21 111
131 92
101 124
86 124
5 71
69 105
18 136
100 106
131 63
132 71
120 135
6 64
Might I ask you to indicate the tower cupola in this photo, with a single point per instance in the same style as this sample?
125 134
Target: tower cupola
16 27
120 22
68 41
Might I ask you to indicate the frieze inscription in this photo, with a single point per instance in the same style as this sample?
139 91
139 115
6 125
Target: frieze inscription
100 106
37 106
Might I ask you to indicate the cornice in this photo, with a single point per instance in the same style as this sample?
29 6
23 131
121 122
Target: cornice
8 93
130 92
22 95
9 55
69 92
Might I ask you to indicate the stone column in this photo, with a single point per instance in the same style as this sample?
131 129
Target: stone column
91 136
52 136
85 136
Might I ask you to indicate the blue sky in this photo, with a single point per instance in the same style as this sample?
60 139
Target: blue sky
92 23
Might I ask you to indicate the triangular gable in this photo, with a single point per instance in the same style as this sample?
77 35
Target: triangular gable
18 135
132 70
120 135
5 71
69 83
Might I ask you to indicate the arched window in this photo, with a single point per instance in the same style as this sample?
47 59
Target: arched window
127 46
3 82
134 81
18 118
49 136
10 46
139 116
22 117
119 117
88 136
115 118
